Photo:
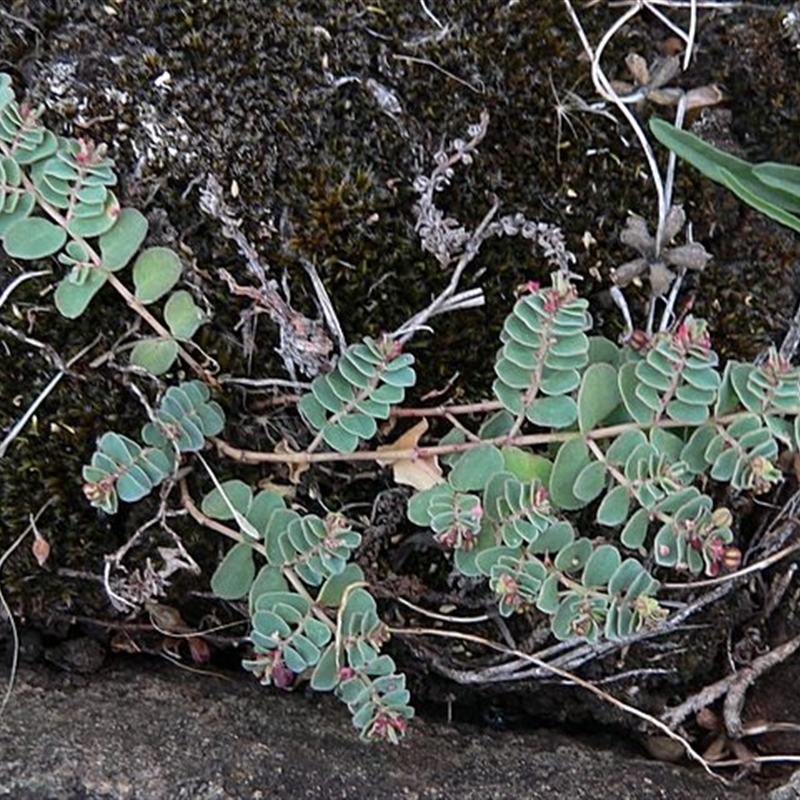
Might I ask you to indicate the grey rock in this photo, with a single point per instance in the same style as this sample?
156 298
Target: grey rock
143 730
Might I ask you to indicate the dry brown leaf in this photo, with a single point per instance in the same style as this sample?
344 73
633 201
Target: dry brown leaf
199 649
40 548
421 472
295 469
166 618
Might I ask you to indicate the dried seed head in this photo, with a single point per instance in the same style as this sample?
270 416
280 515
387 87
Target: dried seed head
676 219
637 67
688 256
636 235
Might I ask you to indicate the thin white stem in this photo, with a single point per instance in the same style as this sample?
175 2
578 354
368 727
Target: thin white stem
20 279
604 88
667 22
31 410
687 58
669 183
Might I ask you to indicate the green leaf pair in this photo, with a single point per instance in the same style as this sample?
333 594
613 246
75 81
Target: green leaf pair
544 350
122 469
369 379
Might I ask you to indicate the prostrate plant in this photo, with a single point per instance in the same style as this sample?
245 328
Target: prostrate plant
56 200
625 441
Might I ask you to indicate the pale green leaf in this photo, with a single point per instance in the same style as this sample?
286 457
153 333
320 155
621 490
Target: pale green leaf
598 396
474 468
553 412
602 564
155 272
572 457
182 315
228 499
33 237
234 575
73 298
614 508
119 244
154 355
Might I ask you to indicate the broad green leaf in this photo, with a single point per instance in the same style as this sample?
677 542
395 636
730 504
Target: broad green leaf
228 499
724 465
548 599
554 538
509 397
635 531
403 378
590 482
262 508
566 614
486 559
668 548
155 272
573 557
133 484
628 384
683 412
72 298
359 601
33 237
466 560
525 465
572 457
474 468
598 396
339 439
624 576
418 510
234 575
498 424
269 579
332 591
553 412
120 448
603 350
325 676
15 210
154 355
614 508
96 224
312 411
602 564
119 244
182 315
359 425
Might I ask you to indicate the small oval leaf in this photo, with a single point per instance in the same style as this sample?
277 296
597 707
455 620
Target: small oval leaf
33 237
182 315
234 576
155 272
154 355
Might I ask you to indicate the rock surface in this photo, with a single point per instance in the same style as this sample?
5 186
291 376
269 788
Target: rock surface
151 731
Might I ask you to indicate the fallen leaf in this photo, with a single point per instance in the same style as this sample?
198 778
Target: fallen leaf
40 548
296 469
166 618
421 472
199 649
